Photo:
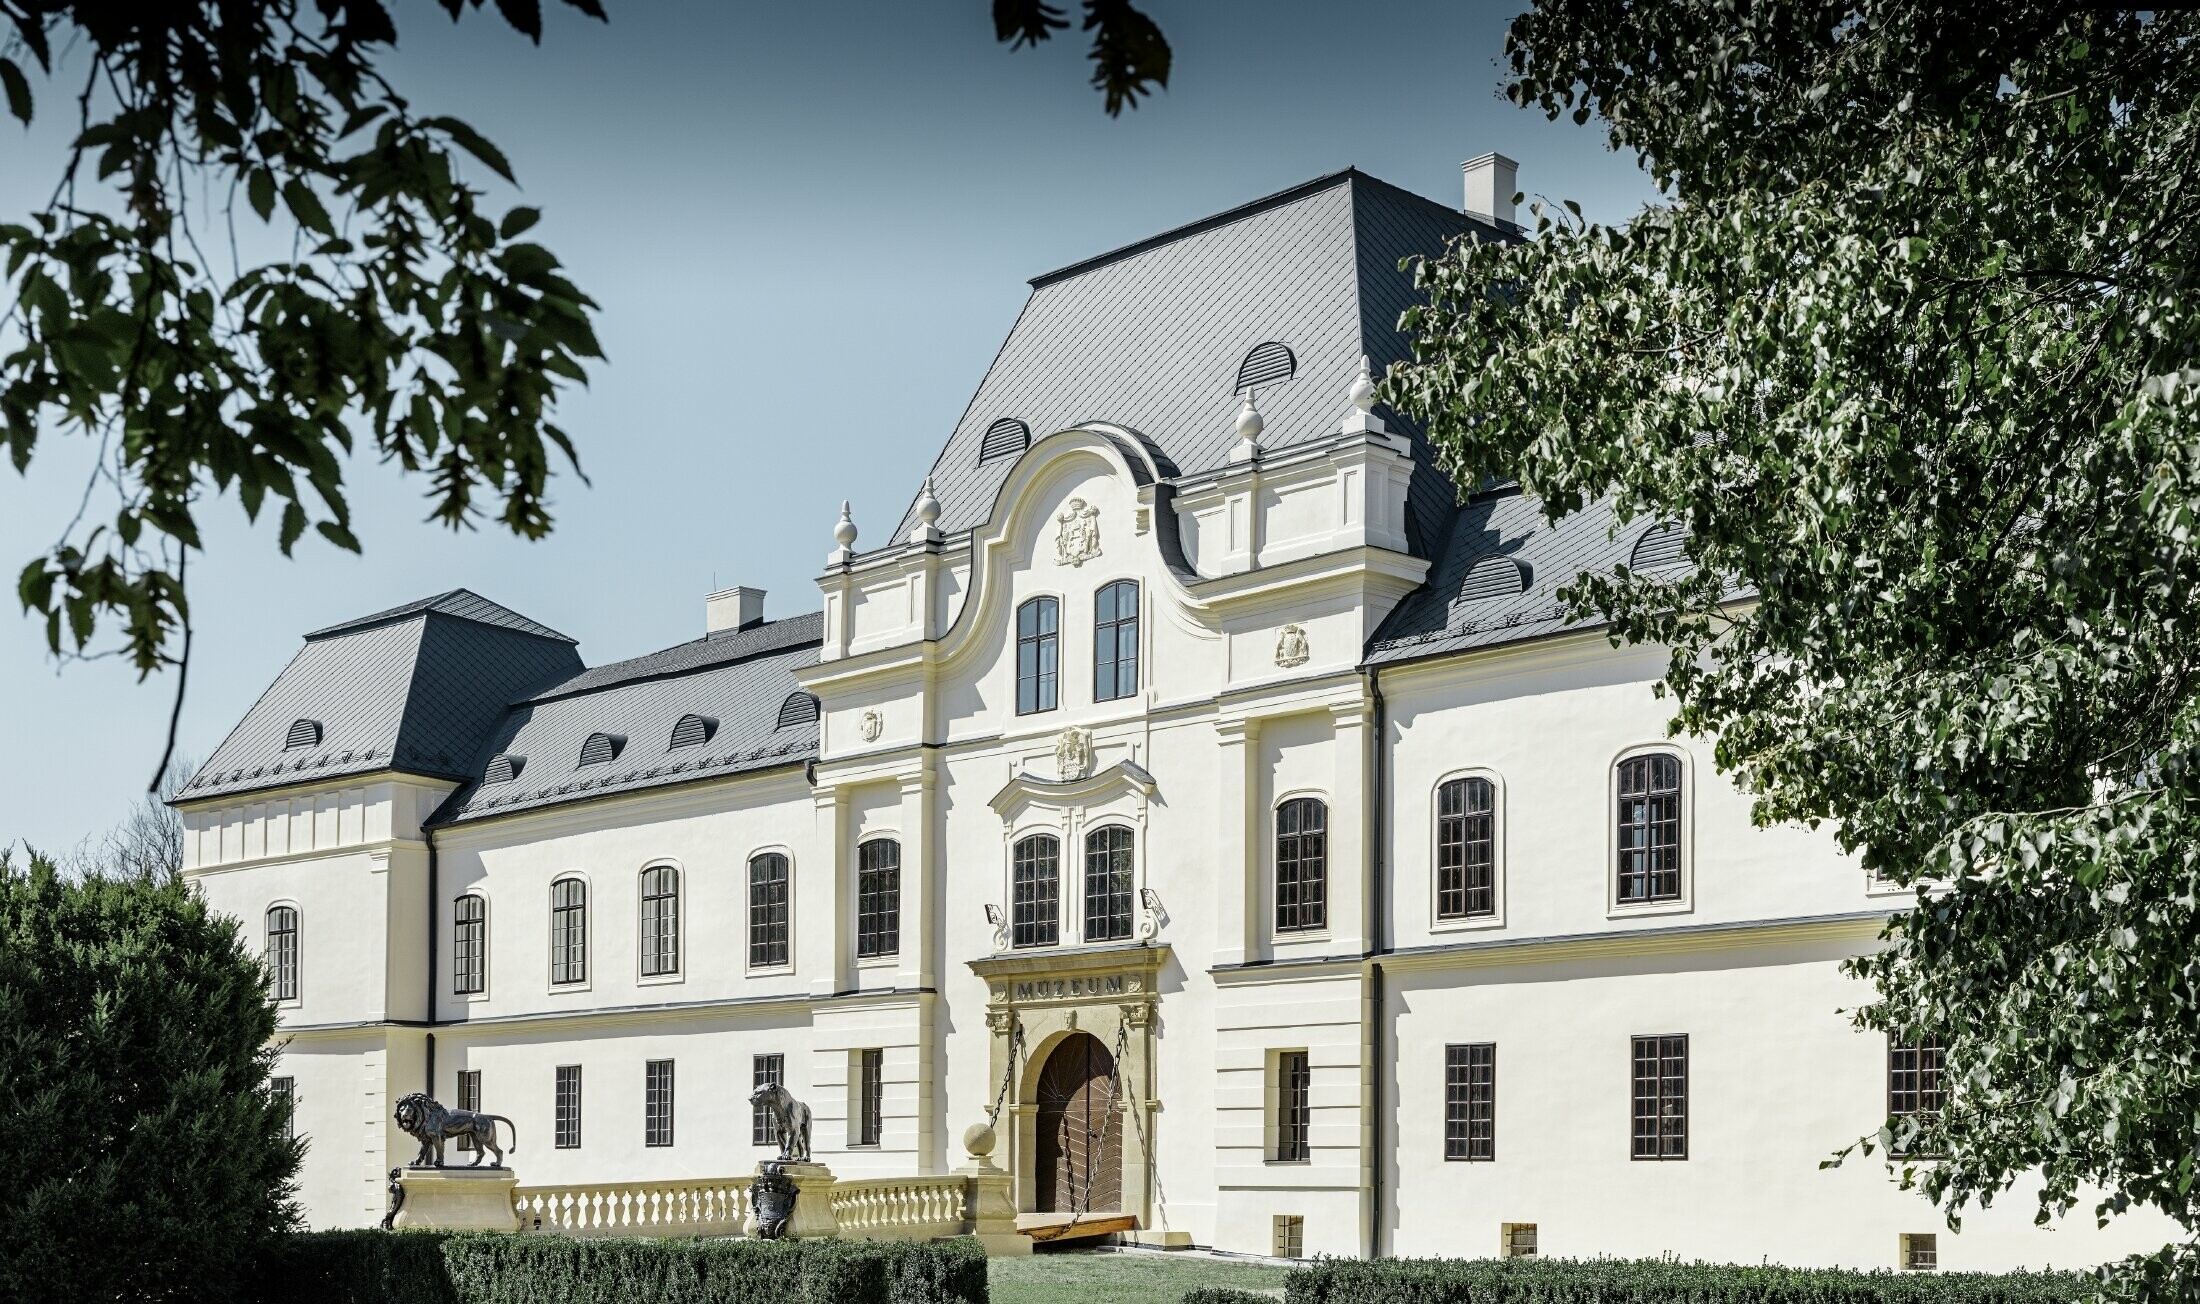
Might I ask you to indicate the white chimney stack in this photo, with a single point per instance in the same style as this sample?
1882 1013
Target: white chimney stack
1492 181
736 608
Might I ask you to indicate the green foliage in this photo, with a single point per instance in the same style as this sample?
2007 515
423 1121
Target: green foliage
1225 1295
1911 353
403 311
146 1159
1130 57
1656 1281
478 1268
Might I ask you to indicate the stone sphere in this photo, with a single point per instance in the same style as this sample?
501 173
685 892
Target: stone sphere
978 1140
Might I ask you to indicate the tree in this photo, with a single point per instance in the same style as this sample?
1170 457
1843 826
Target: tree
146 843
1909 349
147 1157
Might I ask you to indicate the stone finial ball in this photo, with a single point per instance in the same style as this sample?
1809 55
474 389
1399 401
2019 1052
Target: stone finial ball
978 1140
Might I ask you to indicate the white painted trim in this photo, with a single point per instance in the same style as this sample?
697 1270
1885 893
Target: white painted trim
588 932
1469 923
1686 902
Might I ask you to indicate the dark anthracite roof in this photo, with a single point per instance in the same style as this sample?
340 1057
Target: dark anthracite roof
1150 337
462 603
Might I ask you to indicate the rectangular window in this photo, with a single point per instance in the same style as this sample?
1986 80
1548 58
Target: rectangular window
568 931
1289 1240
660 921
469 945
1302 866
1470 1101
1294 1106
1035 906
569 1107
1038 655
469 1097
870 1098
657 1103
282 952
284 1092
768 911
1466 879
768 1071
1108 877
878 898
1115 641
1518 1241
1650 828
1661 1097
1913 1079
1920 1251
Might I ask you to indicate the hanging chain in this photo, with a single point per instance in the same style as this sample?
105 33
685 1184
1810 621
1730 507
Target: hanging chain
1008 1071
1107 1110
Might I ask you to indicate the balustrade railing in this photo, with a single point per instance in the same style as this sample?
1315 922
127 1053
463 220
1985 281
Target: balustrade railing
694 1207
900 1208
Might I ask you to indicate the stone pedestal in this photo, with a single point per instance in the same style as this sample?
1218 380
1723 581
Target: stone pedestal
459 1199
813 1201
991 1210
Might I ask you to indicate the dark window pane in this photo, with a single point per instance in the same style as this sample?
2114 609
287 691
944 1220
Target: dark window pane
1038 655
871 1090
282 952
767 911
1036 905
878 898
285 1093
1108 879
1466 879
657 1103
569 1107
469 945
469 1097
1470 1101
568 931
768 1071
660 920
1294 1106
1661 1097
1649 818
1302 866
1115 641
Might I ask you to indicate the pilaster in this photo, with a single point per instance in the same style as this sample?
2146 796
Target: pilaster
1237 881
1350 830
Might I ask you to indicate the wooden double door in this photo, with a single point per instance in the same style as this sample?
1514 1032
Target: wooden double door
1079 1162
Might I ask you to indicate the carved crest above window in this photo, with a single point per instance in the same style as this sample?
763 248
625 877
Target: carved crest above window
1291 647
1072 754
1078 539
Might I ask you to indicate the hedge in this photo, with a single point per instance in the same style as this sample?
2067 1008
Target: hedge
372 1267
1225 1295
1659 1281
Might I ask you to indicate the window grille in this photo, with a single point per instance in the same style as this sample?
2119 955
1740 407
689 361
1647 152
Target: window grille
1650 828
469 945
1109 873
871 1097
1038 655
568 931
798 709
1115 641
1920 1251
1267 363
469 1097
1035 904
767 910
303 733
1004 438
1302 866
767 1071
1913 1078
1294 1106
1661 1097
284 1092
1466 878
1289 1241
878 898
1519 1240
660 920
282 952
1470 1101
657 1103
569 1107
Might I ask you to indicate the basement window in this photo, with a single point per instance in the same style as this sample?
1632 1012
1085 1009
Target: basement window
1289 1239
1516 1241
1920 1251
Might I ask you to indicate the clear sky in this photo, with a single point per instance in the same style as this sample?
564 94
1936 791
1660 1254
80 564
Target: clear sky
809 227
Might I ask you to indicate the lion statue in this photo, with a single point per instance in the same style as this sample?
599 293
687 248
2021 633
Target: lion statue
792 1118
425 1120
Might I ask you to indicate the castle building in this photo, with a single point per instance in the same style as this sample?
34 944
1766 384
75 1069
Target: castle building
1193 782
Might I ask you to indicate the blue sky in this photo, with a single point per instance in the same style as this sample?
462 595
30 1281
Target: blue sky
809 227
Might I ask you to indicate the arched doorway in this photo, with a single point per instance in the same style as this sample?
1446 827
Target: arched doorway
1079 1159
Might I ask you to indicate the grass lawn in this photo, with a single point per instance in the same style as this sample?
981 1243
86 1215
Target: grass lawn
1069 1277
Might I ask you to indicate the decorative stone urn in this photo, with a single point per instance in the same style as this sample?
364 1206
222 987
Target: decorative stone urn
458 1199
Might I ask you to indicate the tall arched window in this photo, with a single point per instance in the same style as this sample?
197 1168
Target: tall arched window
1649 832
878 898
660 921
1466 849
1038 654
469 945
1108 876
1035 909
767 910
569 931
282 951
1115 641
1302 866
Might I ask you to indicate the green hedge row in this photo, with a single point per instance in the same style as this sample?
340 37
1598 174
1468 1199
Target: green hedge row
1225 1295
373 1267
1658 1281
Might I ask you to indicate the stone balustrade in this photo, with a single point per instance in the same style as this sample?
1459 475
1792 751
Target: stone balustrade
901 1208
693 1207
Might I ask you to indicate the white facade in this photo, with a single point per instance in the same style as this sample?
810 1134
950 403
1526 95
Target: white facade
1253 689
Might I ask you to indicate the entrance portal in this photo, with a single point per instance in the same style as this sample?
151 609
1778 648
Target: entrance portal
1079 1162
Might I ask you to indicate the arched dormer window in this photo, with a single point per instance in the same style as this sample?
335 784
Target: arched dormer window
1267 363
1038 655
469 945
282 952
569 931
1109 872
503 768
660 921
1302 866
1004 438
1661 547
798 709
1492 577
1035 902
303 733
601 748
692 731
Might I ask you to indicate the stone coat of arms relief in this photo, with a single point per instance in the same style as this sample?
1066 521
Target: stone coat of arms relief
1077 541
1072 754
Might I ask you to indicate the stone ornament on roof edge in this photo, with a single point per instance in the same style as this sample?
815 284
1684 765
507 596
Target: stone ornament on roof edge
1078 539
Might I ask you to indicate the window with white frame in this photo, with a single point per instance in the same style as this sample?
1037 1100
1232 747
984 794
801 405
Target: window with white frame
282 952
567 1118
768 897
660 921
765 1071
1115 641
569 931
1302 866
657 1102
1649 828
469 945
1466 848
878 898
1110 871
1035 902
1038 655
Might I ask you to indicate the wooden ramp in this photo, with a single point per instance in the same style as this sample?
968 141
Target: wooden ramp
1044 1227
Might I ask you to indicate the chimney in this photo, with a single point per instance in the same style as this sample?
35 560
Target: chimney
735 608
1492 181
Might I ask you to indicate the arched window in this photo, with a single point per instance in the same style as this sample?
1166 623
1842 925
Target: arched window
303 733
767 910
878 898
798 709
1302 866
282 951
1267 363
1649 832
1115 641
1038 654
1004 438
569 931
469 945
1466 849
660 921
1035 909
1108 875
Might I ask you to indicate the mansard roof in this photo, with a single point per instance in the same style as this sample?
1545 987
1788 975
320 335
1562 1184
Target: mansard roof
411 689
1151 337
